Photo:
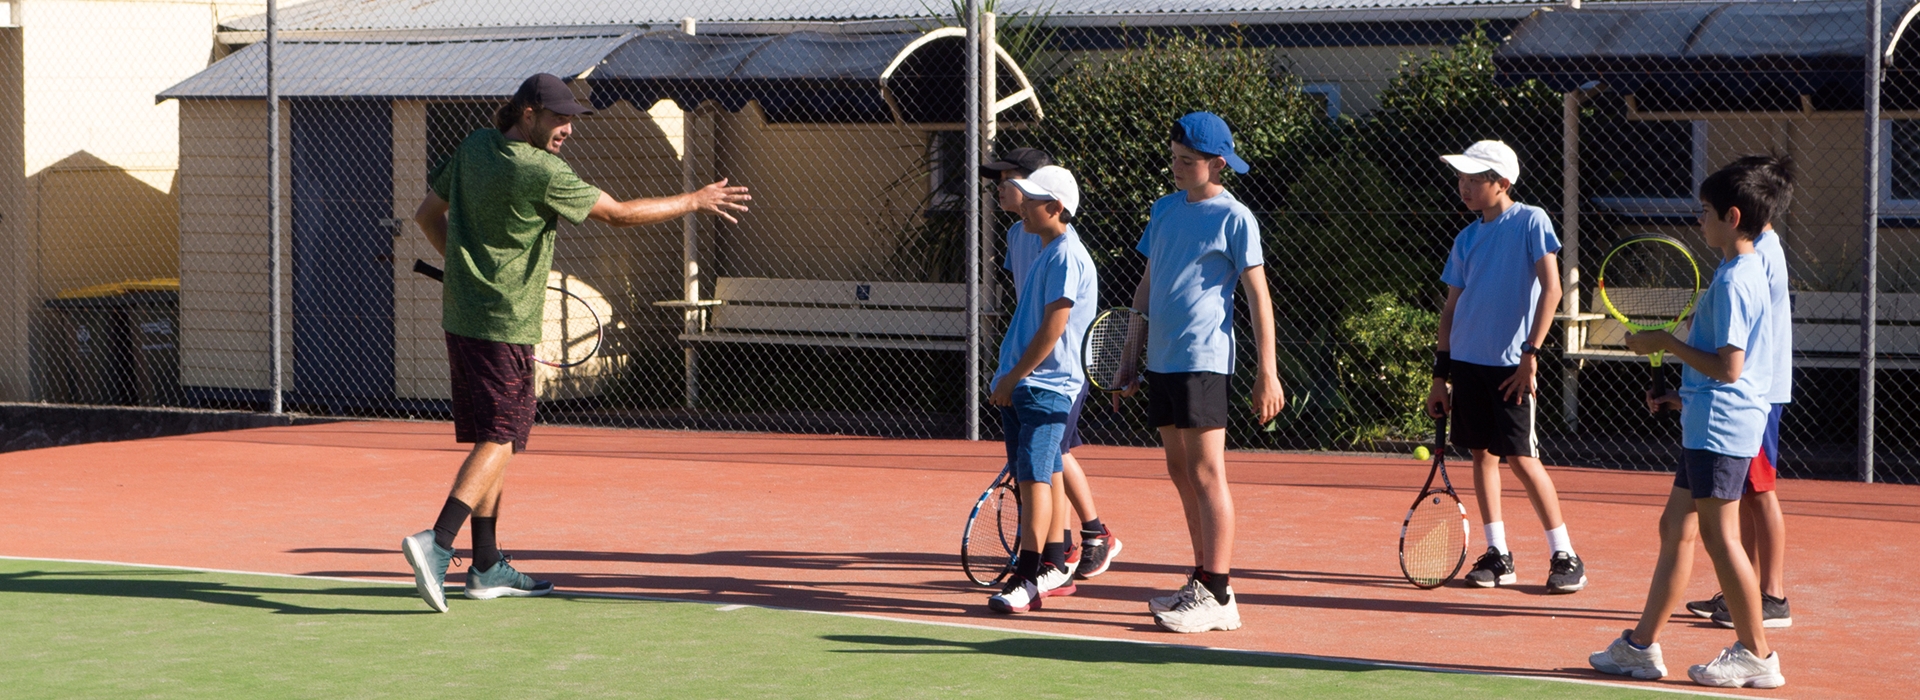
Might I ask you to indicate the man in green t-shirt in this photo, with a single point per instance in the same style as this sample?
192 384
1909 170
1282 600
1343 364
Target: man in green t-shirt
492 214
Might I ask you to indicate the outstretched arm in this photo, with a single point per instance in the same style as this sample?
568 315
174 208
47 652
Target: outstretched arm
717 199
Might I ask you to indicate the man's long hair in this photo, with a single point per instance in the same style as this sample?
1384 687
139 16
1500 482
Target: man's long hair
508 115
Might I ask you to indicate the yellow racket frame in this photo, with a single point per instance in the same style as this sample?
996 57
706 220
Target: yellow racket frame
1601 284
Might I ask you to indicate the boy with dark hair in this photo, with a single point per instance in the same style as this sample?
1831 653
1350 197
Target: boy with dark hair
1098 546
1038 377
1723 417
1503 283
1763 530
1199 241
493 212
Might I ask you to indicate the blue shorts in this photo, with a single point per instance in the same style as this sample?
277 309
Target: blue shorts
1072 437
1034 426
1711 474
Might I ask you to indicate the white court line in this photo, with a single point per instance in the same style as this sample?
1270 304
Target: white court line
941 623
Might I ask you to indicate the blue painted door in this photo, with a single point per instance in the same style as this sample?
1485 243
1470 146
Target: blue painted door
342 249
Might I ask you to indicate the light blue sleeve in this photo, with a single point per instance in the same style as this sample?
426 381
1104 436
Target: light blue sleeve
1541 240
1719 333
1452 274
1006 254
1247 249
1146 237
1744 310
1061 280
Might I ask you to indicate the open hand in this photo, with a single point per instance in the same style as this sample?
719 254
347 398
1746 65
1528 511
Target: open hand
719 199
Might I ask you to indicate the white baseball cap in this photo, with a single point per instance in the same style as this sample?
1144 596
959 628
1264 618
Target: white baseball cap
1051 182
1487 155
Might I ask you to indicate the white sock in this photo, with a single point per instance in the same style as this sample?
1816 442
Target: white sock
1559 541
1496 535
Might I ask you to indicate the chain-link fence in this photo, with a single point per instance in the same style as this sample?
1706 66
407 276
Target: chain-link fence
143 237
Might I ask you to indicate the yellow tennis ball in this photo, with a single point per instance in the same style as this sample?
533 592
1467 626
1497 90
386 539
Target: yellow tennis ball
1422 453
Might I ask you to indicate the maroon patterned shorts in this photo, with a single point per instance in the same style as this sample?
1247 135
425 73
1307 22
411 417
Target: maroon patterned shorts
493 392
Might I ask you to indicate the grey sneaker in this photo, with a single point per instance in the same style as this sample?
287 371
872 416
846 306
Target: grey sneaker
1621 659
1774 613
429 561
1565 574
1706 608
1493 569
1736 667
1169 602
1201 613
503 581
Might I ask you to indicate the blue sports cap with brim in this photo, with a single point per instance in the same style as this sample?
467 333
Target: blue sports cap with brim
1207 133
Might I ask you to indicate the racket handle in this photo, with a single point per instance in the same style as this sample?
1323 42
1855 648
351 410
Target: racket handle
1657 386
424 268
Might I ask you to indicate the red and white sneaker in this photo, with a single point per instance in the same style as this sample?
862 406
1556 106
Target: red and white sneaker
1054 581
1019 595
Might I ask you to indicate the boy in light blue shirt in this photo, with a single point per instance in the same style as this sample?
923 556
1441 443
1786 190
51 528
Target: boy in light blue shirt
1503 283
1200 243
1723 417
1763 529
1040 373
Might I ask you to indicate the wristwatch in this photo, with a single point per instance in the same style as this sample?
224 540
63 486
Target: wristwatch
1528 349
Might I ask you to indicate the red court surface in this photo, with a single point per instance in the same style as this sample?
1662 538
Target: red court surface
872 526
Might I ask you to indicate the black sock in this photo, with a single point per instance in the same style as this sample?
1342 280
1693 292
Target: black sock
1055 555
1027 567
1092 528
486 549
1195 575
1066 539
1216 584
452 516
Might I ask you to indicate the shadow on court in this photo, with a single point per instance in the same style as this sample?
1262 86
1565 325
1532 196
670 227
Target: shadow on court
159 585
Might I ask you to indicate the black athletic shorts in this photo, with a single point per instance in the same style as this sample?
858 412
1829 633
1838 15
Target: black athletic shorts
1711 474
493 391
1187 399
1072 439
1483 419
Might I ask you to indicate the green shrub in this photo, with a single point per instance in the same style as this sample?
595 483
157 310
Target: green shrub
1385 369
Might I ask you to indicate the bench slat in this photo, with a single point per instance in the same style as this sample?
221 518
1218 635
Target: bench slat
824 341
793 291
840 320
1845 306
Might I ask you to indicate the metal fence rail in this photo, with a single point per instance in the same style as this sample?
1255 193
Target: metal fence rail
156 227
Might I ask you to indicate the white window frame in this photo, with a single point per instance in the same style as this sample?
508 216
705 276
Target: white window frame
1666 206
1890 207
937 177
1329 90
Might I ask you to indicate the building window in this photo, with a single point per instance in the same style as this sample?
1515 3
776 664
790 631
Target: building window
946 170
449 124
1900 168
1646 168
1327 94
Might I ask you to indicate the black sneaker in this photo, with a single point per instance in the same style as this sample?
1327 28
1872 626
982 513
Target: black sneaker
1565 574
1709 607
1493 569
1096 554
1774 613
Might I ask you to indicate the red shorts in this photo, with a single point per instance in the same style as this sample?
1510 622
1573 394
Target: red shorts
1763 469
493 391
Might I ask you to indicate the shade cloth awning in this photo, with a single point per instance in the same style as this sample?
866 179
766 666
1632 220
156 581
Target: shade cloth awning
491 68
1705 55
808 77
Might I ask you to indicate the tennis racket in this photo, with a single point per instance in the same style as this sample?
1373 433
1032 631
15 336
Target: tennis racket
993 531
1104 352
1650 282
579 333
1433 538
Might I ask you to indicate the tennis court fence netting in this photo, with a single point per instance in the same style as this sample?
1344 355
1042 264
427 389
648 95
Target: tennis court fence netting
864 292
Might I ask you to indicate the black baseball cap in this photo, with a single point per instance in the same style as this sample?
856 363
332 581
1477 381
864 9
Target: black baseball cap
1028 159
551 93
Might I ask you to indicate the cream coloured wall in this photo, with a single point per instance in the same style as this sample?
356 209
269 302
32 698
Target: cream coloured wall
224 319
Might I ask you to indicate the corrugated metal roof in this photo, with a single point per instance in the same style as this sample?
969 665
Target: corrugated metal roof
414 14
480 68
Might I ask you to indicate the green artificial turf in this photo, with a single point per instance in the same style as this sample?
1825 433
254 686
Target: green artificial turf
83 630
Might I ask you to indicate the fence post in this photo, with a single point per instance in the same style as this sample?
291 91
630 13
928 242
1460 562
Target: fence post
972 21
1869 244
274 289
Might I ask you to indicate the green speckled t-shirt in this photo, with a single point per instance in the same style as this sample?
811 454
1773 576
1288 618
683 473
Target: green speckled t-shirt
505 198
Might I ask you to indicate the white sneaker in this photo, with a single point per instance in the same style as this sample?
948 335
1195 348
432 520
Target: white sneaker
1202 613
1019 596
1169 602
1053 582
1621 659
1738 668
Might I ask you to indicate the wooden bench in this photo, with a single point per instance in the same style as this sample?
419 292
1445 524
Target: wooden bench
1826 332
898 315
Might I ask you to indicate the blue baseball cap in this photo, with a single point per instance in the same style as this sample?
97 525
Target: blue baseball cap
1207 133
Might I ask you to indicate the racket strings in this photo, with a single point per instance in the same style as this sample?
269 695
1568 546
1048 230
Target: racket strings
1434 541
1107 346
1650 281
